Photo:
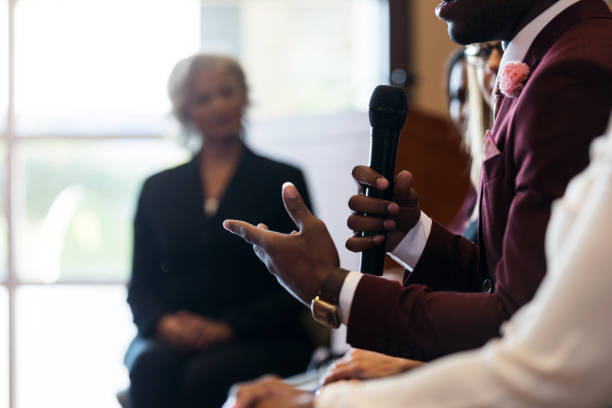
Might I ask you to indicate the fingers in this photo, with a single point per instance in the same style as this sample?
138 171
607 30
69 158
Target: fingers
412 364
249 394
212 332
295 206
372 224
250 233
362 364
174 330
372 206
364 175
341 370
360 244
406 218
403 194
369 224
408 211
192 330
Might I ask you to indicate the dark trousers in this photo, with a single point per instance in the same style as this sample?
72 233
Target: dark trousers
163 377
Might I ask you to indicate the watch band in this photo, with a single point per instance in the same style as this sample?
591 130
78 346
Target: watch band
332 285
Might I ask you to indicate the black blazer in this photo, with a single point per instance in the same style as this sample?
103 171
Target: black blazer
185 260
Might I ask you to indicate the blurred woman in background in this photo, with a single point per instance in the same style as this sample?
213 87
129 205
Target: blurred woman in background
483 61
207 311
471 81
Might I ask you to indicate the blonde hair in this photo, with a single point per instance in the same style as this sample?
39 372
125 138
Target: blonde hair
479 121
183 75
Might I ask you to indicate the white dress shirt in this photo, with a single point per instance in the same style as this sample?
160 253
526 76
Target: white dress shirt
411 247
556 350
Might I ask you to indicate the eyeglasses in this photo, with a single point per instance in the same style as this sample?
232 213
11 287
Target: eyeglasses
478 54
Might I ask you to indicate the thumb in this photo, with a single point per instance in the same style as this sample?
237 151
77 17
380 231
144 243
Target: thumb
402 191
295 206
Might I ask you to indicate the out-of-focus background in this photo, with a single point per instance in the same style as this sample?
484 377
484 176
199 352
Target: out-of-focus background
83 120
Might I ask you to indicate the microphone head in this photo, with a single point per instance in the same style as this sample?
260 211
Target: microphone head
388 107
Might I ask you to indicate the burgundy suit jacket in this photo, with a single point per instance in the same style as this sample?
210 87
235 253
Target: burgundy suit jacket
459 293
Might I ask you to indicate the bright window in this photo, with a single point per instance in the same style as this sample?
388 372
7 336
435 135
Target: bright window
303 56
4 60
71 341
4 99
4 350
74 204
92 67
3 223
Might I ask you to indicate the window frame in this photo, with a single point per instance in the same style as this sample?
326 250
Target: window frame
11 141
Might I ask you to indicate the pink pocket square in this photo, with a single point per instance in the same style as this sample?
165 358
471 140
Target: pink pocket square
490 149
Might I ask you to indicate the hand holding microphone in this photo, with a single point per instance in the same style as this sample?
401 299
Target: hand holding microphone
374 214
393 217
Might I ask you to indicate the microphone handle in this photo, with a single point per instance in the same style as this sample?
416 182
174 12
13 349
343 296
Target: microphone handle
383 153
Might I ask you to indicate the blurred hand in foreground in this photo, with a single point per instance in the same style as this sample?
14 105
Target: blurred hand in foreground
362 365
269 392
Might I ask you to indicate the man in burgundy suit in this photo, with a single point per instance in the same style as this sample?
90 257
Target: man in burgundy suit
455 294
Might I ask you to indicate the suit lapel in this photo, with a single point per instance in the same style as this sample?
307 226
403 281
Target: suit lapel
505 106
583 10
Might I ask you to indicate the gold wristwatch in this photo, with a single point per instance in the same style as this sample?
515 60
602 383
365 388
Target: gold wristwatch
324 307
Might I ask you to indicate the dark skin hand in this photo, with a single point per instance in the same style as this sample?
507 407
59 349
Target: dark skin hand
187 331
269 392
360 364
301 260
396 217
171 329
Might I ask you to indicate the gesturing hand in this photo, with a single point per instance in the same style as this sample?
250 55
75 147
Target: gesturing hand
396 217
301 260
363 365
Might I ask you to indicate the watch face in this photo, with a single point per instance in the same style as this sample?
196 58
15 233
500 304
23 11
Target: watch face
325 313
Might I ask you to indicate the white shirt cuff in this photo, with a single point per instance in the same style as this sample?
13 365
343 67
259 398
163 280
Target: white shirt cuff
407 254
410 248
347 292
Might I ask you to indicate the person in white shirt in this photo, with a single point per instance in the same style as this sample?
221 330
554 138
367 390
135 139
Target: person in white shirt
555 351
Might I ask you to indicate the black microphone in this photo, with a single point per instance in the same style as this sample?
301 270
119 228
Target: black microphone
387 115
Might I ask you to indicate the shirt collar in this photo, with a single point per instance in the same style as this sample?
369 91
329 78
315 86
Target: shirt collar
518 46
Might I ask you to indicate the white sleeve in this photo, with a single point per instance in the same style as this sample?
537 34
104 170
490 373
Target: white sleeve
347 292
555 350
410 248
